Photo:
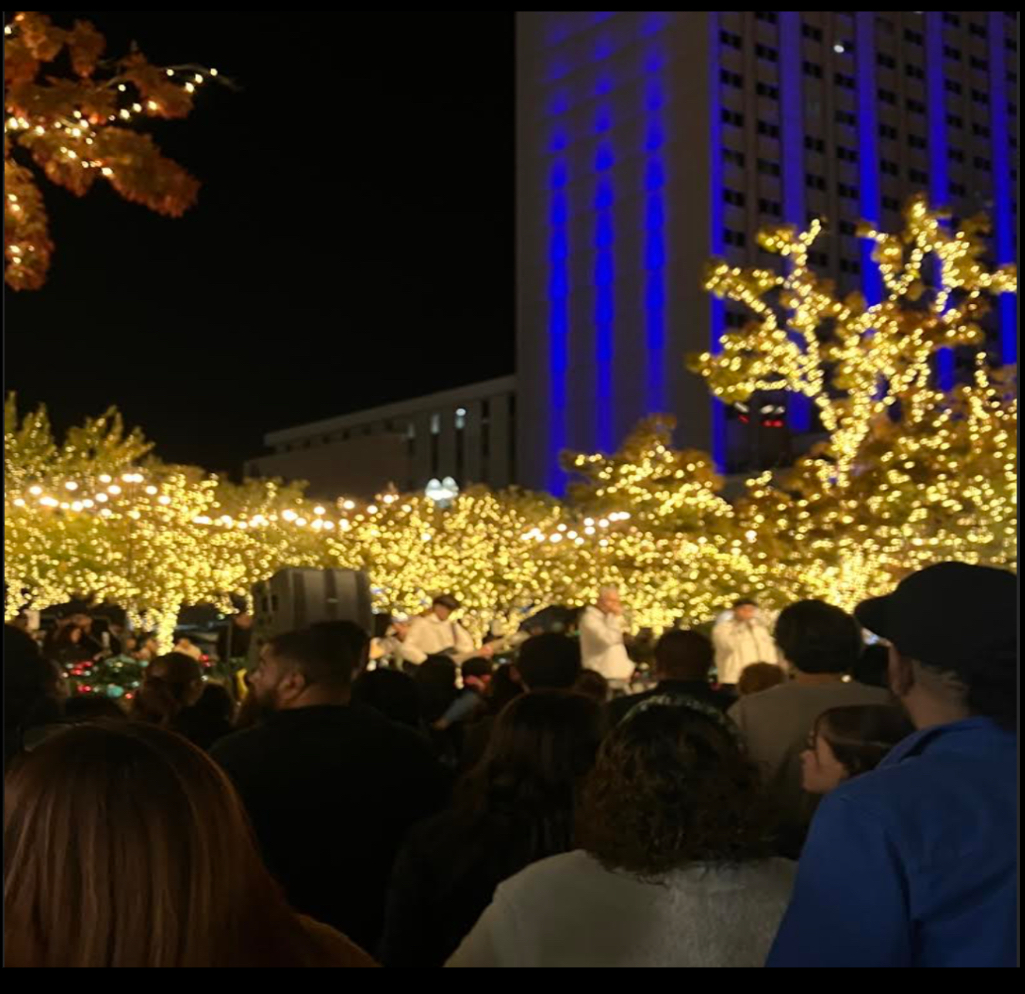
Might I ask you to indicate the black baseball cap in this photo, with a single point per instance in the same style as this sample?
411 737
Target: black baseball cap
947 616
447 600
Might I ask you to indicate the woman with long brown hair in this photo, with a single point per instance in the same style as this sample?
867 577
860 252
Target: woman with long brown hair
125 846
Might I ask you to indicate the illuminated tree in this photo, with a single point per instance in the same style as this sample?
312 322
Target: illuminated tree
77 129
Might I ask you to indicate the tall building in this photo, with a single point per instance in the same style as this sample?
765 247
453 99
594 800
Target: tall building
650 141
468 434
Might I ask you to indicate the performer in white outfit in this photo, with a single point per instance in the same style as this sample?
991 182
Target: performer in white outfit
435 634
601 639
742 637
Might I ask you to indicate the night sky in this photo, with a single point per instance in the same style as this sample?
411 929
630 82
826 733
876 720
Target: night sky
352 245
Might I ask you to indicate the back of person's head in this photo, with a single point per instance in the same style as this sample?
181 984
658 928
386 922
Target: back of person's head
436 686
592 684
871 667
860 736
171 684
215 702
93 707
125 846
816 637
31 685
756 677
672 787
391 693
478 668
541 746
684 656
345 637
549 662
503 688
325 657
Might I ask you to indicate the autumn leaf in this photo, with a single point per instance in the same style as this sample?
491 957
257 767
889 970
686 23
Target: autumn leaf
86 45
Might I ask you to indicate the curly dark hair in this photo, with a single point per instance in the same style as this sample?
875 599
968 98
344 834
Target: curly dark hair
672 787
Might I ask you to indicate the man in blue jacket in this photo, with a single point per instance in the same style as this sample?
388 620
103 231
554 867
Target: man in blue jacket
915 864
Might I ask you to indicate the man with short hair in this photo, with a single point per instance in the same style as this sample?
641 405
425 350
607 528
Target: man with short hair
601 639
683 661
821 643
436 634
741 637
915 863
331 786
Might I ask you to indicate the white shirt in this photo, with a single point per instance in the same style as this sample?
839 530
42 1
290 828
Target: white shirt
429 636
569 911
740 643
601 645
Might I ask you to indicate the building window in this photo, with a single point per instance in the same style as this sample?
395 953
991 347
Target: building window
460 418
844 81
952 53
915 106
734 157
767 168
735 320
768 16
979 30
734 197
981 64
917 141
979 97
737 238
435 424
731 78
1012 77
814 182
846 190
887 97
981 130
958 189
885 25
914 37
914 72
732 117
765 90
850 266
887 131
889 168
811 69
817 258
949 17
980 163
767 53
770 207
955 121
730 40
772 130
846 154
955 155
1012 109
848 228
1011 44
846 117
810 31
918 176
886 61
891 203
814 144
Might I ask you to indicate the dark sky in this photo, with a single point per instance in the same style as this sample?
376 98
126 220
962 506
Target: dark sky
353 242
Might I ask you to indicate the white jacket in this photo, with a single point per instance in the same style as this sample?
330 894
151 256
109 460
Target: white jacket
740 643
429 636
601 645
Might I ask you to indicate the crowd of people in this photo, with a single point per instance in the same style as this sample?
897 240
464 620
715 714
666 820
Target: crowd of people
775 792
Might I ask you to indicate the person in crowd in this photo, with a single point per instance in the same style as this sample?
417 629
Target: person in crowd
872 666
234 639
125 846
915 864
70 642
549 662
513 809
592 684
437 634
756 677
673 866
332 787
821 643
437 684
391 693
602 645
172 684
476 675
683 662
505 686
93 707
210 719
349 637
32 696
741 636
849 741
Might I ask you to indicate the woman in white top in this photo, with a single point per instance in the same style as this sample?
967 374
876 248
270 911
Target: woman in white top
674 865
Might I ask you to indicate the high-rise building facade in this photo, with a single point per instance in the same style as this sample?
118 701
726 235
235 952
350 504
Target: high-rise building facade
651 141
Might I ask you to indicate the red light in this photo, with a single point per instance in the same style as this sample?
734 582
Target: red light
743 419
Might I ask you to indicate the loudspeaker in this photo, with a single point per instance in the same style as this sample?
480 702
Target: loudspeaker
297 598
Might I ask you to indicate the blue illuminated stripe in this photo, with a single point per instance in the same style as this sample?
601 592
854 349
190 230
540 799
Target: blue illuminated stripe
716 306
654 232
1003 221
558 307
939 179
868 147
792 148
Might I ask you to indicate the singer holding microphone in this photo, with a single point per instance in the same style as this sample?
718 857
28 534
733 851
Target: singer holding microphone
741 637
